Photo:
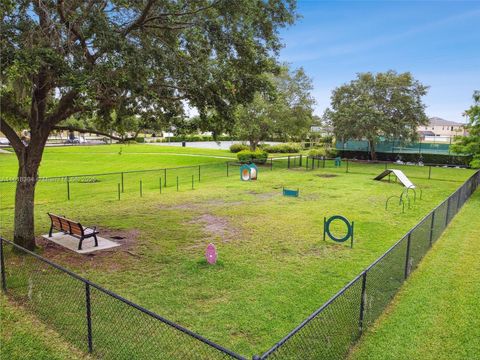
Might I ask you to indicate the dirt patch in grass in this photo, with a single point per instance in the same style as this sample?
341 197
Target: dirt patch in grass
201 205
326 175
216 227
110 260
262 195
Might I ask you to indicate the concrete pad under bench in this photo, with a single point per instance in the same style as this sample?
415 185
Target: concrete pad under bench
71 242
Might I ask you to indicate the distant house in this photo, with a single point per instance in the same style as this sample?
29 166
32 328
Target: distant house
321 129
441 127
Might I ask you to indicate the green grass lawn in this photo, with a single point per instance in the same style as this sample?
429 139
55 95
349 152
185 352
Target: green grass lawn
436 314
274 268
76 160
23 337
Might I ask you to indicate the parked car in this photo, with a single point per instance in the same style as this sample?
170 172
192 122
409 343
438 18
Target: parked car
4 141
75 140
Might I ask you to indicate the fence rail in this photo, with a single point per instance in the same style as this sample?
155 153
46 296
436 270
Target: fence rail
109 326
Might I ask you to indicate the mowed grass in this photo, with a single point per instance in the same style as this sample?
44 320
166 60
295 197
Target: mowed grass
23 337
274 269
77 160
436 314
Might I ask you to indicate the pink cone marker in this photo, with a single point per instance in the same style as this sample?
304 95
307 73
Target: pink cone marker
211 254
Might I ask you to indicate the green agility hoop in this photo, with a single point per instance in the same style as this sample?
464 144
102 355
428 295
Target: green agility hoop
348 235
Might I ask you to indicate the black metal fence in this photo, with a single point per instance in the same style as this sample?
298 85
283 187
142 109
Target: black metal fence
331 330
117 185
111 327
94 319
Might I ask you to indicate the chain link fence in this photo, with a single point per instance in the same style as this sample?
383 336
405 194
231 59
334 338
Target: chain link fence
331 330
117 185
397 147
94 319
109 326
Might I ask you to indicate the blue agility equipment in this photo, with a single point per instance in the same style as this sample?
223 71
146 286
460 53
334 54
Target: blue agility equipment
248 172
348 235
294 193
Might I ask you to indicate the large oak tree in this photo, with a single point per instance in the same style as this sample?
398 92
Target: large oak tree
383 104
283 112
61 58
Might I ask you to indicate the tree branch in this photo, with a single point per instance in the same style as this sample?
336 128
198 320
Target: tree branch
72 29
65 108
138 22
185 13
12 136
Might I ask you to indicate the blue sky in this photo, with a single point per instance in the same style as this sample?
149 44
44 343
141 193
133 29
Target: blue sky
438 41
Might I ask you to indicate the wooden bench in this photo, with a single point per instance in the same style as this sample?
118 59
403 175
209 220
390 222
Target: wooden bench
73 228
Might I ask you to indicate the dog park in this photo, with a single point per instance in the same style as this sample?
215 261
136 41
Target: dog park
274 267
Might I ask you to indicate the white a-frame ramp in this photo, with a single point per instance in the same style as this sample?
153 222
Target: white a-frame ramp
400 176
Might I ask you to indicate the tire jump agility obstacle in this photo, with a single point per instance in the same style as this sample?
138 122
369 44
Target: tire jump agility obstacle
348 235
248 172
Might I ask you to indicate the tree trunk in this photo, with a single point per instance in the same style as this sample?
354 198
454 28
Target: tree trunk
24 228
29 158
373 154
253 145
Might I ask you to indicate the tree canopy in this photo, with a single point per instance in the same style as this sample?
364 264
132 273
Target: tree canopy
147 57
283 113
471 144
383 104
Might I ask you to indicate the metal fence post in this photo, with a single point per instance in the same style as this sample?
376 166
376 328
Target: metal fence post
289 161
227 168
123 190
141 192
118 191
432 227
68 187
347 166
448 210
362 302
429 172
324 162
89 317
2 267
271 164
300 161
160 184
459 194
407 259
306 163
199 173
165 177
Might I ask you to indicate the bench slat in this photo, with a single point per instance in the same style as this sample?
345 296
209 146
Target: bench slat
72 228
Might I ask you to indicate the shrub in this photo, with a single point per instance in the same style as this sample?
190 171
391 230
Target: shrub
235 148
288 148
140 139
317 152
327 139
331 152
257 157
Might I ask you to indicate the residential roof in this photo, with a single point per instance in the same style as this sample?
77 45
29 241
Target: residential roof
436 121
426 133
